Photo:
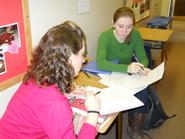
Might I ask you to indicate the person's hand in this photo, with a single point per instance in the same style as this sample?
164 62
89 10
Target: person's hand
135 68
77 91
144 72
92 101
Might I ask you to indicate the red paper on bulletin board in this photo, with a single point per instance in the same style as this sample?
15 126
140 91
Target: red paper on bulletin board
14 52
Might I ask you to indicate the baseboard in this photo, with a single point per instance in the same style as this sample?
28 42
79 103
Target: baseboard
180 18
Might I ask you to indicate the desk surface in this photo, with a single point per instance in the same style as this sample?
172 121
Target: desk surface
155 34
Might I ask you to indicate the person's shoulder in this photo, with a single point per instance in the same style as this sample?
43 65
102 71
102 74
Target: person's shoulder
107 32
135 33
106 35
51 92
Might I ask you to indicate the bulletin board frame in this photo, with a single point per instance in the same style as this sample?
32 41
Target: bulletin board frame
16 59
141 8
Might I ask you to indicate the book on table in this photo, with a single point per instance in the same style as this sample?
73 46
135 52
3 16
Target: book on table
91 67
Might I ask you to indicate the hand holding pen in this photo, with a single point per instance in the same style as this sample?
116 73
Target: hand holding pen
138 68
135 67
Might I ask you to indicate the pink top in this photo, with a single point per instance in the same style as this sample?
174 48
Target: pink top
41 113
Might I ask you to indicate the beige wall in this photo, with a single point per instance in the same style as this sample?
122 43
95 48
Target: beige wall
47 13
164 7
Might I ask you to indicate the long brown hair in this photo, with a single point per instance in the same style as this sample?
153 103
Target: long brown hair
50 63
123 12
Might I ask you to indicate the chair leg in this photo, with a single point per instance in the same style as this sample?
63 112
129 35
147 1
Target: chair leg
163 54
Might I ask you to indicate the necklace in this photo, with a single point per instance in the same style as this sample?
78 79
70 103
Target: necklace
117 37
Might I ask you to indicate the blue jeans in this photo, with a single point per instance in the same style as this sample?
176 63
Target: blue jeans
142 96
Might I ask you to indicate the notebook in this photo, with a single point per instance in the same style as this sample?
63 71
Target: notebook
78 106
92 68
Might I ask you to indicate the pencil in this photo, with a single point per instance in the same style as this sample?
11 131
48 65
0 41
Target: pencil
137 60
98 92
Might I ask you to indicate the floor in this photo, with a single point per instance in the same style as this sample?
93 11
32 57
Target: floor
171 90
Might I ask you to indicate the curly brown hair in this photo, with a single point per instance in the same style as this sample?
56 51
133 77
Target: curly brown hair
50 63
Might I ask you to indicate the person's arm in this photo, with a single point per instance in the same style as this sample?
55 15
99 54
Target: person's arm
57 120
102 58
139 49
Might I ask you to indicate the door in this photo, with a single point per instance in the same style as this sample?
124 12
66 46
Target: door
179 8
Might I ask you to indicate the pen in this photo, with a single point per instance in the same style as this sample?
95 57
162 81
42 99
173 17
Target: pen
86 61
137 60
98 92
86 74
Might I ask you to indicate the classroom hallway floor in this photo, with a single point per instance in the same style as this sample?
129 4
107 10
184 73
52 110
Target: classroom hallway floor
171 90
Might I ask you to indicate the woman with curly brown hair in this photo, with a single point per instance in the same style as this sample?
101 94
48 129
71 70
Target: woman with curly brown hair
39 108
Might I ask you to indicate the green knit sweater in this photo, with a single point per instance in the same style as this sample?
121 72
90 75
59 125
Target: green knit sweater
110 49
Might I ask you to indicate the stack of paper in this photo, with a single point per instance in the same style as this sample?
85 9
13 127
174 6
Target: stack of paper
122 87
119 96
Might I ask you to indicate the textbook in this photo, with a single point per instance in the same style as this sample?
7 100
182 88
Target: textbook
92 68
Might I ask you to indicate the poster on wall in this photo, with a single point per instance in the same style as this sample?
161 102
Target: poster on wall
141 8
9 43
15 50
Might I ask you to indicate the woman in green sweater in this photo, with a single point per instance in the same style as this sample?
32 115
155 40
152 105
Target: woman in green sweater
120 43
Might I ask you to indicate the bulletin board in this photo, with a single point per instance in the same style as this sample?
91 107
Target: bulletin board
141 8
15 41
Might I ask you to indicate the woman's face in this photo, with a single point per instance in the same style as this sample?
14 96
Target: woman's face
77 60
123 27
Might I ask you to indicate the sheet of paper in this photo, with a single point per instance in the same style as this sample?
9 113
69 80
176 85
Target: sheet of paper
118 80
115 79
137 81
116 100
134 83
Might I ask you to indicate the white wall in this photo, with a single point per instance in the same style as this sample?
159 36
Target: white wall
5 96
47 13
164 7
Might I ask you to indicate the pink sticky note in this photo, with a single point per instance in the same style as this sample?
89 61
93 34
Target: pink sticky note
13 47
